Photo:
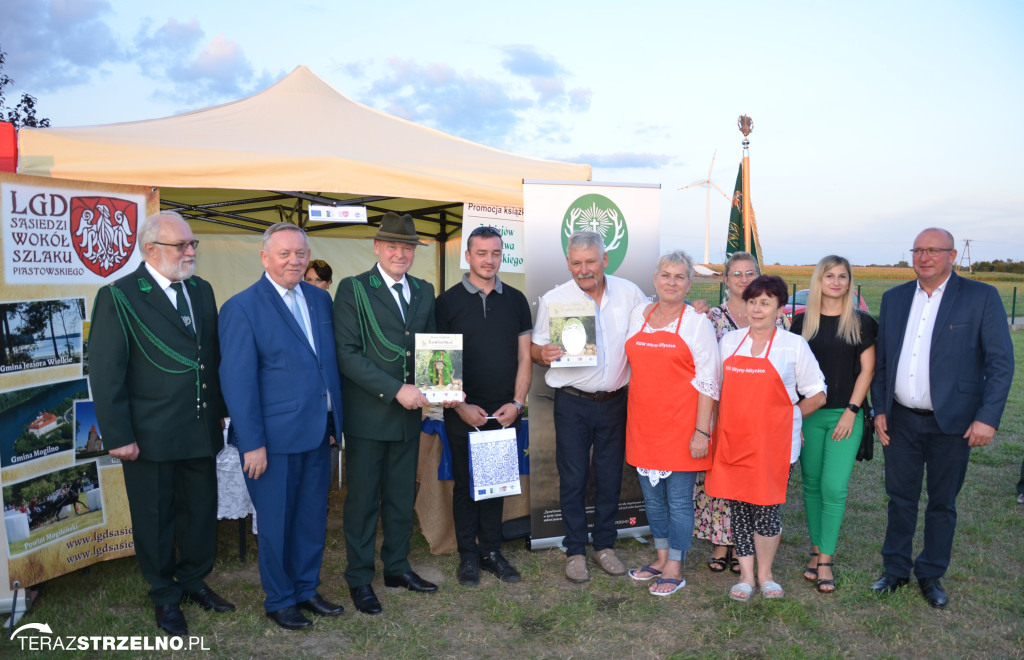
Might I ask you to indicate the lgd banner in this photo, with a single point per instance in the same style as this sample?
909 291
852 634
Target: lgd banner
55 235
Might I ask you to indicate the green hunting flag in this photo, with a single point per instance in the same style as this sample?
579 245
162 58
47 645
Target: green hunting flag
734 243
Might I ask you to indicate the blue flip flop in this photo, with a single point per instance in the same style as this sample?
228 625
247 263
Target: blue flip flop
646 569
677 585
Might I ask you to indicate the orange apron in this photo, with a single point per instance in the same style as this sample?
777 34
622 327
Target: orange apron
753 434
662 409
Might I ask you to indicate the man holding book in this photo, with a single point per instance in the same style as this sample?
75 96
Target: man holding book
494 320
590 401
376 317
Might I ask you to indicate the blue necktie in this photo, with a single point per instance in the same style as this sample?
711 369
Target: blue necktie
293 304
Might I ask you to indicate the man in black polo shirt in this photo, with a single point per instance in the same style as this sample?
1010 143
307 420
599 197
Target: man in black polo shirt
494 320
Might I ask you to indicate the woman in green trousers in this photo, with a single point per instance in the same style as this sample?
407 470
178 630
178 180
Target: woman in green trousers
842 339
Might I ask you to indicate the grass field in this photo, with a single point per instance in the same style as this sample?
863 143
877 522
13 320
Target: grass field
545 616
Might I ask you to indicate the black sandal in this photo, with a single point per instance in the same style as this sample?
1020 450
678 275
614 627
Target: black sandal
811 574
734 563
719 564
826 583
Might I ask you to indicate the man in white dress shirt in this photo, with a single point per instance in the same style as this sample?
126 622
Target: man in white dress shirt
944 364
590 403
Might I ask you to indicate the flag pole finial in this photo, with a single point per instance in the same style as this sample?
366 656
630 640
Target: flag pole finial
746 125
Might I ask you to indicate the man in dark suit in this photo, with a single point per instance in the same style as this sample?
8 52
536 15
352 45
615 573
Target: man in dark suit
281 384
153 357
376 317
944 364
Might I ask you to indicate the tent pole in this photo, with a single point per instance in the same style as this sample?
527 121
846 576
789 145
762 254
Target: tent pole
442 240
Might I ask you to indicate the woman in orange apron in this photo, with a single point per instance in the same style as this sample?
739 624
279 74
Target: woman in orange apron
757 437
674 362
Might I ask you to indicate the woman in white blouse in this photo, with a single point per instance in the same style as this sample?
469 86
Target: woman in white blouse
765 372
674 366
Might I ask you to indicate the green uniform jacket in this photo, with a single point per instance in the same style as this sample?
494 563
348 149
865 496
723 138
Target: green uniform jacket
136 400
371 373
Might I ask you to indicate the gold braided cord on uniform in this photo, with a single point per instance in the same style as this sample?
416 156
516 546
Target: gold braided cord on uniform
124 311
368 322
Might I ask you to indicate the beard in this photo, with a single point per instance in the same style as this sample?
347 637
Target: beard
182 270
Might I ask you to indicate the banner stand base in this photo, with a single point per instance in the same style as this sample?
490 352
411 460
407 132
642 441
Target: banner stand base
556 541
25 599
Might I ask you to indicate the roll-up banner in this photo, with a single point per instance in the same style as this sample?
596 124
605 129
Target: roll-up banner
63 497
628 218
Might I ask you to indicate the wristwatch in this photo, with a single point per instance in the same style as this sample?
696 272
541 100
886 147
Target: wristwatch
854 407
519 407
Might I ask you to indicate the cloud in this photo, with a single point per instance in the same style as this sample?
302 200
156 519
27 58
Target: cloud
528 107
545 76
579 99
467 105
57 44
527 62
199 69
170 38
54 44
623 160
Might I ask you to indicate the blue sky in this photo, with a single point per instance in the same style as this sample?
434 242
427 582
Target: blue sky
872 120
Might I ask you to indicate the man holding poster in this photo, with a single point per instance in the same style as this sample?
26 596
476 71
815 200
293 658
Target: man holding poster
494 320
153 358
590 401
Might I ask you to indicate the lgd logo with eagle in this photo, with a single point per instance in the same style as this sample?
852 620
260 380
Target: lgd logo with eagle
103 232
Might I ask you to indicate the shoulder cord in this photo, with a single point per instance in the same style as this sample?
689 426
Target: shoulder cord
368 321
124 310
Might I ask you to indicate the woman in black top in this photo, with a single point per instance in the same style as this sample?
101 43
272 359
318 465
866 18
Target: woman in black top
842 338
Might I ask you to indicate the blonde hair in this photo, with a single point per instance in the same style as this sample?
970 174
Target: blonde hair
849 324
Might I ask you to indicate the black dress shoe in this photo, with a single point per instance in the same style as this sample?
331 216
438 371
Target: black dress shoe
494 562
410 581
933 592
317 605
208 599
888 584
469 571
365 600
289 618
170 619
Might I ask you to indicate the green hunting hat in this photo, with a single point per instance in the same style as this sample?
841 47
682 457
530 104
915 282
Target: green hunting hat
398 228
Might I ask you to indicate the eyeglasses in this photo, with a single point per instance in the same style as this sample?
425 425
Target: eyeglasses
748 274
180 246
931 252
317 263
484 231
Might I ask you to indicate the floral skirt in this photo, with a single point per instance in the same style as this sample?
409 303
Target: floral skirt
711 519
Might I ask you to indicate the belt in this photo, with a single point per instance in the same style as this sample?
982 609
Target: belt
593 396
921 412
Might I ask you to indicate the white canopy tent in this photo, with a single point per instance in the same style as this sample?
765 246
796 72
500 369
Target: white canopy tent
262 159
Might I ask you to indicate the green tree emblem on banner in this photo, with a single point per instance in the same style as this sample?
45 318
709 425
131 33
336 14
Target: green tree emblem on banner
599 214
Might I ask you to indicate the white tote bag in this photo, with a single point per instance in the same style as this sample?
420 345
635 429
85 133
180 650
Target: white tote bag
494 463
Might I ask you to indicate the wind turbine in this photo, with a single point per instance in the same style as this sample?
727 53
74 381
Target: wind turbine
707 183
